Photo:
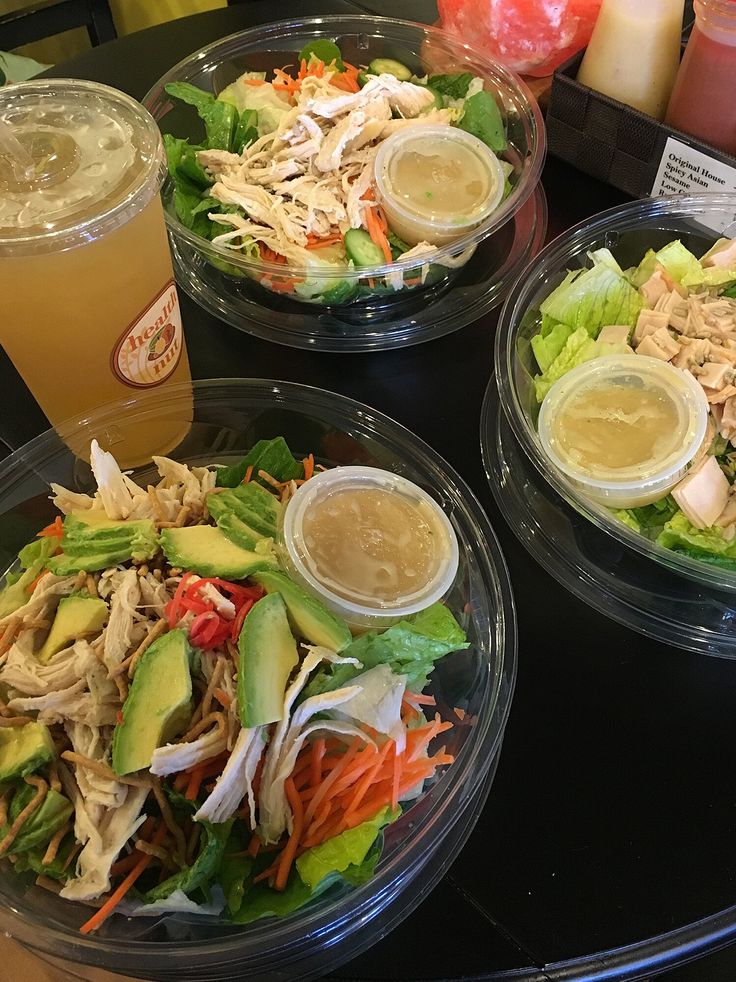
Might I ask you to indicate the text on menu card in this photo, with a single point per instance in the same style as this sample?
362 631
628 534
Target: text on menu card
685 170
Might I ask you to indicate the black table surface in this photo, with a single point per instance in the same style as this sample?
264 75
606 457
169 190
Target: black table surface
612 819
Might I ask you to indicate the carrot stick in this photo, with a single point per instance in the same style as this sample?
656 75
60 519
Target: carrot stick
254 81
330 780
181 780
397 776
254 846
124 864
56 528
100 916
368 779
223 698
289 852
194 783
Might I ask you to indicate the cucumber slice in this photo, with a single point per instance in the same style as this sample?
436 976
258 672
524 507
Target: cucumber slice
361 248
387 66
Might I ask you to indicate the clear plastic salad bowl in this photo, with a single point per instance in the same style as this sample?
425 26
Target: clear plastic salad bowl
229 282
628 231
229 416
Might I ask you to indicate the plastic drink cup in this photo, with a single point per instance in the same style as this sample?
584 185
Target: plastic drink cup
89 311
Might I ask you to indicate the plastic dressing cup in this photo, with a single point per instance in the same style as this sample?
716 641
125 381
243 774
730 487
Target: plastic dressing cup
624 428
373 545
88 307
436 183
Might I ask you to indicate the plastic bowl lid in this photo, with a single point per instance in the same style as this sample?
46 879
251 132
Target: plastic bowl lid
663 460
361 541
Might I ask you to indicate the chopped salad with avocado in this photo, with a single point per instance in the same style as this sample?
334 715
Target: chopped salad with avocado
680 309
285 173
185 728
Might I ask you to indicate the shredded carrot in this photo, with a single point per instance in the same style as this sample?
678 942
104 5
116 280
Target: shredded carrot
377 234
223 698
315 243
269 255
254 81
254 846
100 916
195 782
396 778
330 780
56 528
309 472
289 852
125 864
284 284
460 713
419 699
318 751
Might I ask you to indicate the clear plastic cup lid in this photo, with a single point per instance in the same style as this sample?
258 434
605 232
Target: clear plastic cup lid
370 542
97 160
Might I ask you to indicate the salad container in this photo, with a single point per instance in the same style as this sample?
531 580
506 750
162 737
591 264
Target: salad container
227 418
347 301
698 221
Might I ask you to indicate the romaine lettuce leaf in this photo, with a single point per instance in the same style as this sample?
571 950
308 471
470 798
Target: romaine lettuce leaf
269 104
708 545
649 519
40 827
547 346
350 848
578 348
202 872
593 298
678 262
409 648
271 456
454 85
220 118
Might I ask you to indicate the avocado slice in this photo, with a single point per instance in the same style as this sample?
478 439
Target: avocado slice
308 616
246 514
206 550
75 616
159 703
92 541
23 749
267 656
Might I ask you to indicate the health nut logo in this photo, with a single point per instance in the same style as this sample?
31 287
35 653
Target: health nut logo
150 348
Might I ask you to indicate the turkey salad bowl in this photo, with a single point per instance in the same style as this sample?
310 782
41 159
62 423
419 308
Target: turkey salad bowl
644 291
298 179
205 773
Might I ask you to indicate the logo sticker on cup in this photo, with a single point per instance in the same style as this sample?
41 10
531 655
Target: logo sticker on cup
149 349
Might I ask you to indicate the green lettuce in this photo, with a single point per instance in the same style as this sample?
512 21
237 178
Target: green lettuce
578 348
323 50
548 345
707 545
713 276
649 519
271 456
454 85
40 827
350 848
261 901
204 869
678 262
592 298
220 118
269 105
409 648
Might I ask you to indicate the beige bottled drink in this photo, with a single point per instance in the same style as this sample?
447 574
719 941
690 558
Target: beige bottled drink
634 53
89 312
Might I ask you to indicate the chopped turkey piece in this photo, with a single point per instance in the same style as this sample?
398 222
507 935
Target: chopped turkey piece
647 323
728 515
714 375
615 334
660 345
654 288
715 396
692 352
702 451
728 419
703 494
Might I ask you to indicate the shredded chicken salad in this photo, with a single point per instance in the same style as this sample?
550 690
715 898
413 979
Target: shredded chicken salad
680 310
285 175
183 727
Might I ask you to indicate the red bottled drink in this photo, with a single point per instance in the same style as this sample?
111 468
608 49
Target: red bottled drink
703 101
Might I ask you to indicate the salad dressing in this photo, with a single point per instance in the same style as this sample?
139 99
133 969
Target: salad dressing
439 178
372 543
617 426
